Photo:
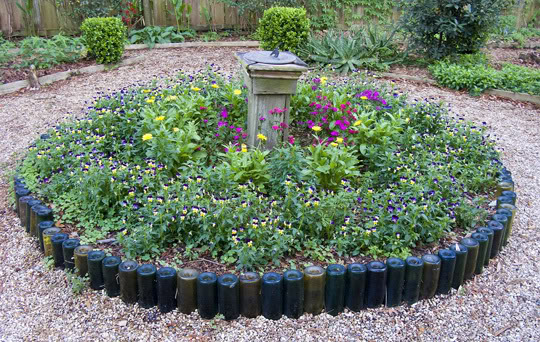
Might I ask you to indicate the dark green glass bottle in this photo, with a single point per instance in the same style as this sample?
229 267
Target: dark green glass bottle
127 276
461 262
510 194
81 259
430 276
23 201
512 208
166 289
355 290
293 293
489 232
482 240
448 264
396 279
68 249
29 206
498 235
95 272
334 299
413 278
228 296
109 268
272 295
207 301
146 285
58 254
376 284
47 240
41 228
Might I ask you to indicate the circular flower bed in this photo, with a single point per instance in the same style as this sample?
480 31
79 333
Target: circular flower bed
362 173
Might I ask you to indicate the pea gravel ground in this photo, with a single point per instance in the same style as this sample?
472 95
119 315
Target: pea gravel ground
502 304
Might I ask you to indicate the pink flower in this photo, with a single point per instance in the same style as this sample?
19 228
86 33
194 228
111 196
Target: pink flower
334 133
275 128
343 106
343 127
226 149
283 125
222 123
262 118
217 134
232 127
318 106
224 113
291 139
205 121
239 129
203 108
244 135
236 137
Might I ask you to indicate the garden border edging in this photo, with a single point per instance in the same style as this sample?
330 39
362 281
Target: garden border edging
59 76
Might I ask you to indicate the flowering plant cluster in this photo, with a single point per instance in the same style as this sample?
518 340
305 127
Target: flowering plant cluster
161 164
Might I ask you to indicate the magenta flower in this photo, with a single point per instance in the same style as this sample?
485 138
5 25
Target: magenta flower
291 139
236 137
203 108
275 128
334 133
205 120
239 129
224 113
262 118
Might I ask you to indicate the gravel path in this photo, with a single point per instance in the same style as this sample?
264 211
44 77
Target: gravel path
37 305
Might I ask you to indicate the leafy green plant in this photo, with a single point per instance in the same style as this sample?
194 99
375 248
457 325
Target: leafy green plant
439 28
475 75
370 48
182 13
284 28
247 165
48 262
45 53
210 36
84 9
78 284
152 35
104 38
5 54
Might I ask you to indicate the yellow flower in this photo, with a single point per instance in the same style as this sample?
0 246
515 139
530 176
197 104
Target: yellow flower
150 100
250 244
363 97
244 148
357 123
339 140
160 118
176 129
237 92
171 98
316 128
195 88
261 137
334 144
323 80
146 91
215 86
147 136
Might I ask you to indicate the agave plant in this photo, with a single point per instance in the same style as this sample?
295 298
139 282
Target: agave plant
347 51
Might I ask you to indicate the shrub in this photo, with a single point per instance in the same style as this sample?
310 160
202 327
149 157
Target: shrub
440 28
283 27
45 53
104 38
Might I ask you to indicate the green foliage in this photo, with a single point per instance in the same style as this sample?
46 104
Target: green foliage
182 12
508 31
104 38
49 262
45 53
78 284
152 35
439 28
285 28
5 54
473 73
370 48
166 165
84 9
330 165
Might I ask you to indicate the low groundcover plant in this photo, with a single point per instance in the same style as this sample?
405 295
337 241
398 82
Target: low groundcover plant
167 163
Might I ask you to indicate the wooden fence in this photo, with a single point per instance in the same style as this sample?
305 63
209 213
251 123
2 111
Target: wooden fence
50 21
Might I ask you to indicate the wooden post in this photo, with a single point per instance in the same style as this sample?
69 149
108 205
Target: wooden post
147 12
